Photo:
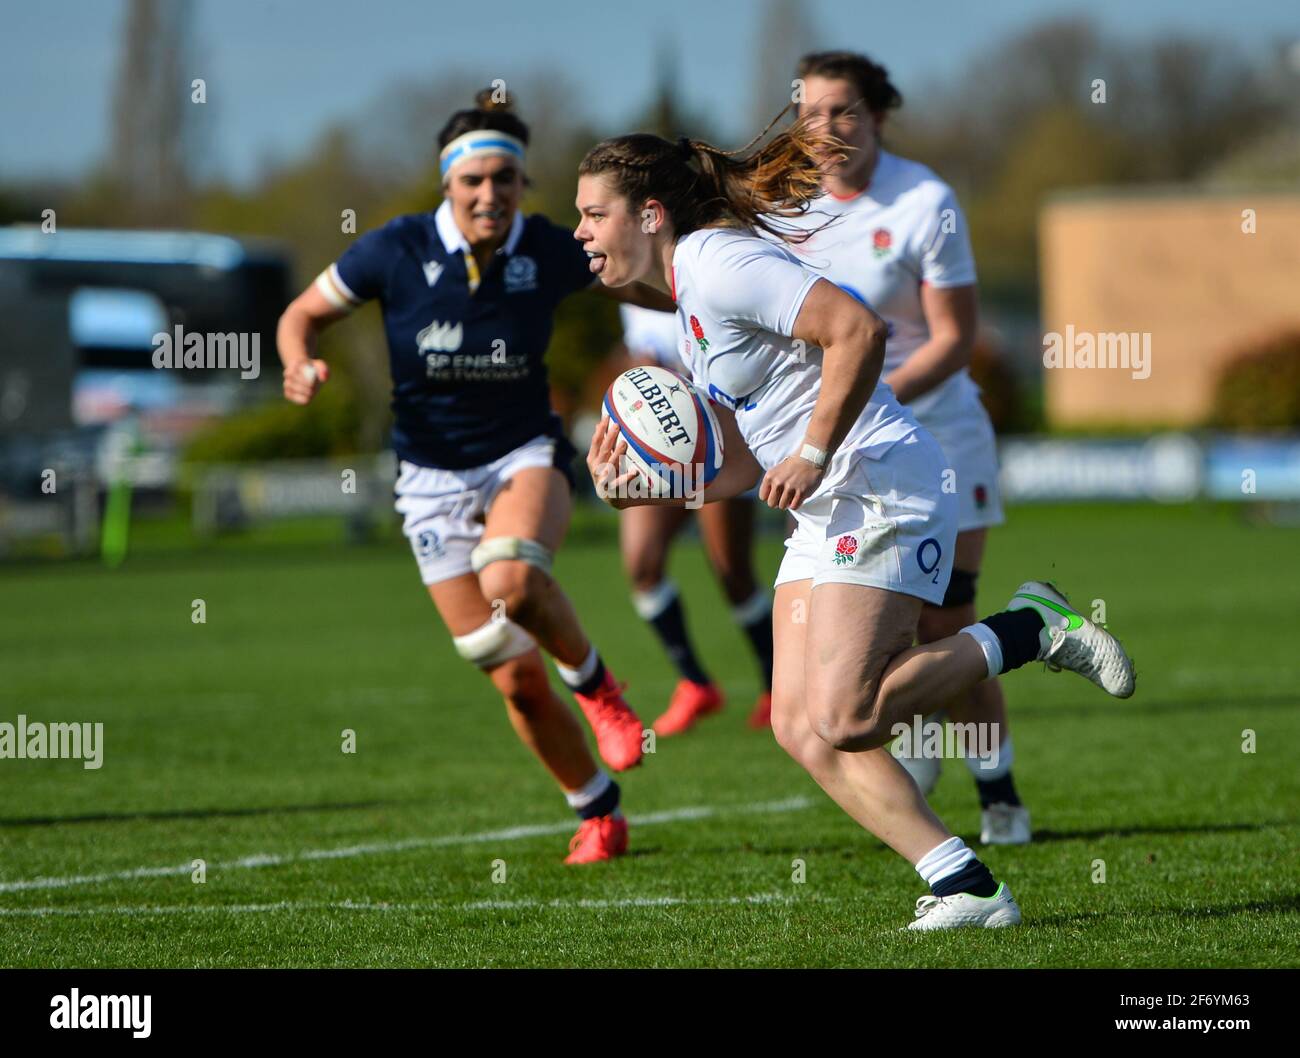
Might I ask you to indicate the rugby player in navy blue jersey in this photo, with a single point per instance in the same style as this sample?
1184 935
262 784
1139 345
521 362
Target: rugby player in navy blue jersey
468 294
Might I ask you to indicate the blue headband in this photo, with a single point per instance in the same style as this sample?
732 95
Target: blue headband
481 143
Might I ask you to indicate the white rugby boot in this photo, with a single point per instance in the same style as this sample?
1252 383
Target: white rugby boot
1003 824
1070 641
962 909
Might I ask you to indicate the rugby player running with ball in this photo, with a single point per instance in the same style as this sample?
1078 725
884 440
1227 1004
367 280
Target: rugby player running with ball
793 364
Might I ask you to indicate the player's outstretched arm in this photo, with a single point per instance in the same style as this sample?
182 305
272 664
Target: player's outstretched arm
295 341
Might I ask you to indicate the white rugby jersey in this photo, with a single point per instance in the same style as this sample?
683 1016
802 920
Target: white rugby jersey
904 230
648 332
738 297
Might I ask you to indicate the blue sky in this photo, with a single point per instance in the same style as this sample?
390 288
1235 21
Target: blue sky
278 71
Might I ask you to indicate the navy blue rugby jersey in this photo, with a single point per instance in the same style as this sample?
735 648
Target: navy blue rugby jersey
469 384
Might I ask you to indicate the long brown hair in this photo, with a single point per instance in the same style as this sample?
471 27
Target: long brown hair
702 185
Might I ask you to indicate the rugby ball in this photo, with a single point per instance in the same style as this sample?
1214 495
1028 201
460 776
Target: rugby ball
671 431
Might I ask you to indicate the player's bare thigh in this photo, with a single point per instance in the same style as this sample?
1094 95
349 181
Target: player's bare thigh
854 630
534 504
968 554
789 636
728 532
460 604
645 534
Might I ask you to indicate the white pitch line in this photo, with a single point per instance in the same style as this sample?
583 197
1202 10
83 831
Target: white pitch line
356 905
272 859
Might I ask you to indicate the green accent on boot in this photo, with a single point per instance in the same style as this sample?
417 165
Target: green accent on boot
1075 621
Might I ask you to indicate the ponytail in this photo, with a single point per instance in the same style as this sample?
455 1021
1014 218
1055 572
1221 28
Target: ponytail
702 185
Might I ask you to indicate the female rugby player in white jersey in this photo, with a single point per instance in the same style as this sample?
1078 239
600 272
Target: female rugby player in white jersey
727 529
891 233
793 363
468 294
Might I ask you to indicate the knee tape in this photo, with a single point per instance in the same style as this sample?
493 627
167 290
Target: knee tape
493 643
515 548
961 588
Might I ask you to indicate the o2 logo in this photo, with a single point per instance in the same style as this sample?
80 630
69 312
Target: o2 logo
929 552
735 403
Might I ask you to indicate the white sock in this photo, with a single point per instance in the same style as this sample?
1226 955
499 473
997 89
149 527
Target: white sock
650 604
595 786
577 677
756 608
1002 755
943 860
990 644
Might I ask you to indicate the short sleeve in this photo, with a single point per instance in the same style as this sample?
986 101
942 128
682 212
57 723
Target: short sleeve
753 283
361 273
946 258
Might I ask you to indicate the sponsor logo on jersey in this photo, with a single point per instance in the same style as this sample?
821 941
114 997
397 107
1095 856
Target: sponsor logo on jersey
432 272
881 241
981 496
698 331
521 274
440 337
846 548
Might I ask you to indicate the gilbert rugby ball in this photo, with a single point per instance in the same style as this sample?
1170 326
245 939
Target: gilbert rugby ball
671 432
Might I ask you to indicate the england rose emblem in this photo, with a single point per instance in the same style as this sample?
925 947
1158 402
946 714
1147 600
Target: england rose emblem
845 548
698 331
881 241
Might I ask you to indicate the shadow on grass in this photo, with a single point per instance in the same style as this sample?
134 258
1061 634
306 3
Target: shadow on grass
1043 836
197 813
1282 905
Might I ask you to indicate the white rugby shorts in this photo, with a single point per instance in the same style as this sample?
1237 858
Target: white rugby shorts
884 523
443 509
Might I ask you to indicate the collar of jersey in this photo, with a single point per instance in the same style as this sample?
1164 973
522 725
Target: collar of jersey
884 160
454 239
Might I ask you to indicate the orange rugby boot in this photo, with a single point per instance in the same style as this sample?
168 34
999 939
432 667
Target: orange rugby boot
601 838
617 728
689 702
761 717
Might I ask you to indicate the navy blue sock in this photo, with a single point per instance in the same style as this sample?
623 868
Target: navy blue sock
974 878
592 684
1017 631
604 805
997 791
670 624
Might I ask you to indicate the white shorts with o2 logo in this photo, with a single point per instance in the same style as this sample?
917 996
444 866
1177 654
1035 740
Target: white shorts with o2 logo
885 523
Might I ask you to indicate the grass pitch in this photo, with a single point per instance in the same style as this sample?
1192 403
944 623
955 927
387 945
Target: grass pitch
222 743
